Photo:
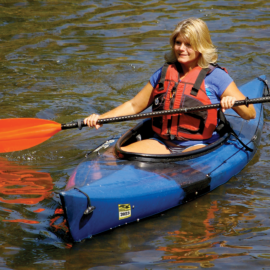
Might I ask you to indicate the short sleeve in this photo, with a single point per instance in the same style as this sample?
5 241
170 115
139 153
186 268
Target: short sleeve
219 79
216 83
155 77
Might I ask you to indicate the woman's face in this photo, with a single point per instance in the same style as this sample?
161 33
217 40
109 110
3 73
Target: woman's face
184 53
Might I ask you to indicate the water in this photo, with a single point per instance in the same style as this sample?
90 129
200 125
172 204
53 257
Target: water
62 60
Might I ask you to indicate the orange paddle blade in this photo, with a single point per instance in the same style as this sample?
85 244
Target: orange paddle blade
21 133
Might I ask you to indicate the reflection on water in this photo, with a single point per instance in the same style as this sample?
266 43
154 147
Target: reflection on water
61 60
21 185
190 247
24 186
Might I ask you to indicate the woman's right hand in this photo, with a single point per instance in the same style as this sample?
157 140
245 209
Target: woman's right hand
140 102
91 121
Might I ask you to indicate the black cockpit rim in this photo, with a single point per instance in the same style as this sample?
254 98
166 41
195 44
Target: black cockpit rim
143 129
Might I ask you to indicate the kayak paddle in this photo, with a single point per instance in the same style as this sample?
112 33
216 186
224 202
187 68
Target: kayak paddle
21 133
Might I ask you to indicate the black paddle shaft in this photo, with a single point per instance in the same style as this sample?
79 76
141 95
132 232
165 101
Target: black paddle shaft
246 102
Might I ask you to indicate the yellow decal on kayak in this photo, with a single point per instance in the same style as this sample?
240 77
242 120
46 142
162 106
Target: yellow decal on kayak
124 211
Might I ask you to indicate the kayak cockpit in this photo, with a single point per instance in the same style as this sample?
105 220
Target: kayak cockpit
143 130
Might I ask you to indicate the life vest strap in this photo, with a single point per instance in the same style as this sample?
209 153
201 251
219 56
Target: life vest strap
199 81
162 77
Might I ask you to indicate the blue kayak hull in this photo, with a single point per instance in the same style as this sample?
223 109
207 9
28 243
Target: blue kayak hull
119 191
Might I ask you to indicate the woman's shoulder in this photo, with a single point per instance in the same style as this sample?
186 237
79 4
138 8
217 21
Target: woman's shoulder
216 69
219 74
219 80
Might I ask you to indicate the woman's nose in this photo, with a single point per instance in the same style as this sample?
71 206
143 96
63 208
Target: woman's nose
182 46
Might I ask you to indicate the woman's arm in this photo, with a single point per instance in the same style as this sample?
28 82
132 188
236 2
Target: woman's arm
228 98
136 105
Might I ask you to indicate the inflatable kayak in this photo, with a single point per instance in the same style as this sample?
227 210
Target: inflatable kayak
108 190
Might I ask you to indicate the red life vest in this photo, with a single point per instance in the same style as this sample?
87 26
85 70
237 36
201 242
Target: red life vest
170 93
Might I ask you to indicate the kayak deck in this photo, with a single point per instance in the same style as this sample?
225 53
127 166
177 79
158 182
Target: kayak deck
119 191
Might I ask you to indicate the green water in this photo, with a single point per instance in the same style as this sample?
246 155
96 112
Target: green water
62 60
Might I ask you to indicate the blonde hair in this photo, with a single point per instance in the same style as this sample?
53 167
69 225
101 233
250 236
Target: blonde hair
196 31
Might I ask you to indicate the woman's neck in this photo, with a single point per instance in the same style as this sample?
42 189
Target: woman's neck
186 69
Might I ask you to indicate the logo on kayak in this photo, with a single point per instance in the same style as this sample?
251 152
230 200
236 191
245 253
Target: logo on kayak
124 211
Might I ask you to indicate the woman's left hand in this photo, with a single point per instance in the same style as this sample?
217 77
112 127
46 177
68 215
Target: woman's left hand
227 102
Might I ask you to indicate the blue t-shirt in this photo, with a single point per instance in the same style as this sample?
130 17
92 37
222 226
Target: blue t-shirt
215 84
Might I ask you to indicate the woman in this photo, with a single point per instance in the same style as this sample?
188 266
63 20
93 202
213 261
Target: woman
192 53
